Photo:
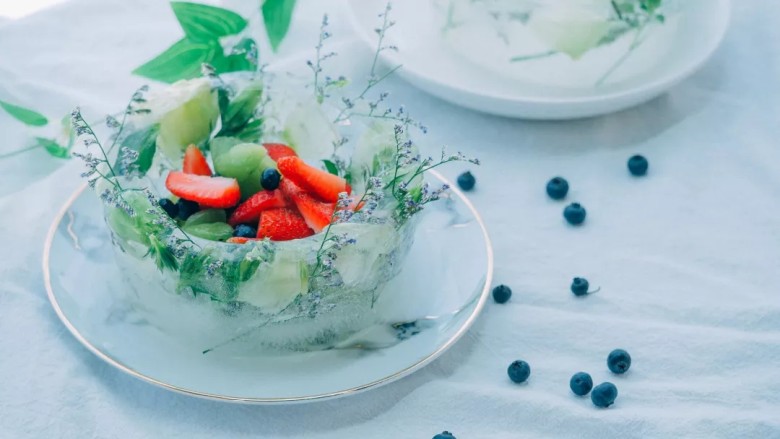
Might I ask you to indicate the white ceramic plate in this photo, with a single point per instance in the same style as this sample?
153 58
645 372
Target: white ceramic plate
441 291
430 63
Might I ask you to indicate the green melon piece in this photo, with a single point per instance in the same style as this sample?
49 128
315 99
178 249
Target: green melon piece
245 162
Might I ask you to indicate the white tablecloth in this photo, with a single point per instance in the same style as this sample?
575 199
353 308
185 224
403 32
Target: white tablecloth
687 258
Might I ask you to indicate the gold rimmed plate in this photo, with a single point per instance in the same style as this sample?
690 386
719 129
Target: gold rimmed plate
437 296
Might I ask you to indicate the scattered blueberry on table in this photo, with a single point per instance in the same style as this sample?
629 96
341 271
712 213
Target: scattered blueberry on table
604 395
580 286
581 383
502 293
186 208
466 181
519 371
444 435
574 214
619 361
245 231
270 179
637 165
169 207
557 188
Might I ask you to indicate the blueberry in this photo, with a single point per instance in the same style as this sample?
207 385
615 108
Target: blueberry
502 293
466 181
581 383
604 395
169 207
186 208
444 435
245 231
557 188
637 165
519 371
580 286
574 214
619 361
270 179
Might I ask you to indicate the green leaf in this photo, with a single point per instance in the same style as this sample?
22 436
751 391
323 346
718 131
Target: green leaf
24 115
207 23
241 110
277 15
243 58
145 143
53 148
180 61
331 167
650 5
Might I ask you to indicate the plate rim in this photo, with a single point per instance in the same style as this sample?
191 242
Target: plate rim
417 365
663 82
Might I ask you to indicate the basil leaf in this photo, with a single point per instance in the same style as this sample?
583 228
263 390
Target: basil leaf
180 61
24 115
206 23
145 143
331 167
53 148
277 15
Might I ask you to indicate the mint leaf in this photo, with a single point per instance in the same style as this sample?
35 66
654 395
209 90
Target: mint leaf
331 167
243 57
241 110
24 115
180 61
53 148
207 23
277 15
145 143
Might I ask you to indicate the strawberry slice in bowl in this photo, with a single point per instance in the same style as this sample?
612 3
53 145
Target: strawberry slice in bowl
212 192
283 224
323 184
317 214
279 150
249 211
195 162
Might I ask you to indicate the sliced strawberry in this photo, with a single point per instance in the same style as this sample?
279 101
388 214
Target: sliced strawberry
239 240
214 192
316 213
194 162
282 224
324 185
249 211
279 150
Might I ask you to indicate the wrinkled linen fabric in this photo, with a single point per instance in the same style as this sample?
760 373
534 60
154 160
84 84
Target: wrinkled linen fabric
687 258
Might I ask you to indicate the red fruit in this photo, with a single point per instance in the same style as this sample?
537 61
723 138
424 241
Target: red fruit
194 162
278 150
214 192
316 213
282 225
239 240
324 185
249 211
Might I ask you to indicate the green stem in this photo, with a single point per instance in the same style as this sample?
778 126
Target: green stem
634 44
18 151
533 56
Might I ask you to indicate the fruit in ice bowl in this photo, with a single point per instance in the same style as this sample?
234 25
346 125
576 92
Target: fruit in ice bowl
561 43
231 220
